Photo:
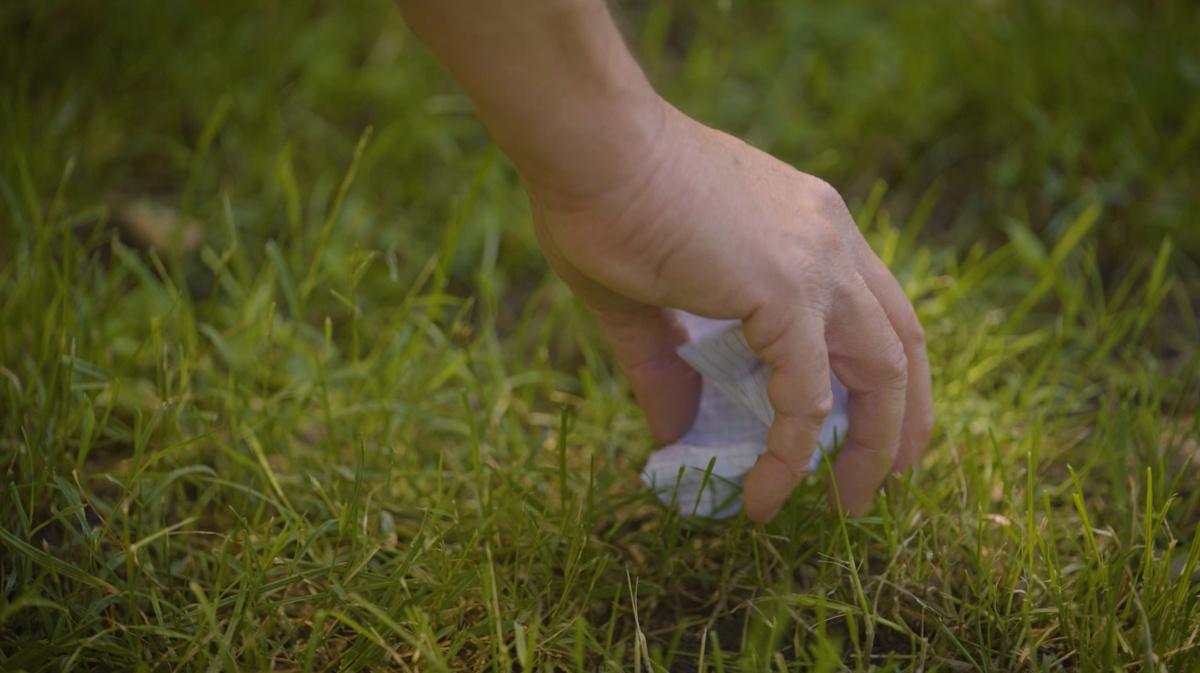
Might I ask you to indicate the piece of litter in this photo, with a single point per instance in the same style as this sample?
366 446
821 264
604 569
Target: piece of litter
730 430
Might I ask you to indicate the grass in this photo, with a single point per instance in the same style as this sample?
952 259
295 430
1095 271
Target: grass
285 385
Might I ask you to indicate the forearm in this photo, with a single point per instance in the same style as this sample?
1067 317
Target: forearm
552 80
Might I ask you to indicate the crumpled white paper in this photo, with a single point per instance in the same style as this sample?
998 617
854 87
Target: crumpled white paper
730 430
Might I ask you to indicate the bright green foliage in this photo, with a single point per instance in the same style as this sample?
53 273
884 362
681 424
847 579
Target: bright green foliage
285 385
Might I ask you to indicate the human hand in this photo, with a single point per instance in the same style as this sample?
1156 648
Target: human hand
641 209
695 219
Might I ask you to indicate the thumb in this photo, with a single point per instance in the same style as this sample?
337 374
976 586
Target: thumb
644 339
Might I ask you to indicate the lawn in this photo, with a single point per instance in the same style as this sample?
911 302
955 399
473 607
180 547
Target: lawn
285 383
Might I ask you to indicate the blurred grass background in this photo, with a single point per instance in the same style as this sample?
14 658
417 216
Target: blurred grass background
995 111
287 384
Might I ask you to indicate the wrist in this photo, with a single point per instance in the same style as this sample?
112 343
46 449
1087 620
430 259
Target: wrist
554 83
601 151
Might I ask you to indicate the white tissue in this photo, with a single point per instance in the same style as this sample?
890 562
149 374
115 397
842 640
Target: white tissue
730 430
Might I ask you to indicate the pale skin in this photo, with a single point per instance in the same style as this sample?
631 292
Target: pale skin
641 209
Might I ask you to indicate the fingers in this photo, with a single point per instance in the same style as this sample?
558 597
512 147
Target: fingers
644 340
792 342
918 405
868 357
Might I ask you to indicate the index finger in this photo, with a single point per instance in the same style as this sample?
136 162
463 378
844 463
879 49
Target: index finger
792 341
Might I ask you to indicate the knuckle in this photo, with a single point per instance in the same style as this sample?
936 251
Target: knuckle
893 365
808 409
795 469
815 410
911 332
767 332
826 198
825 233
820 409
